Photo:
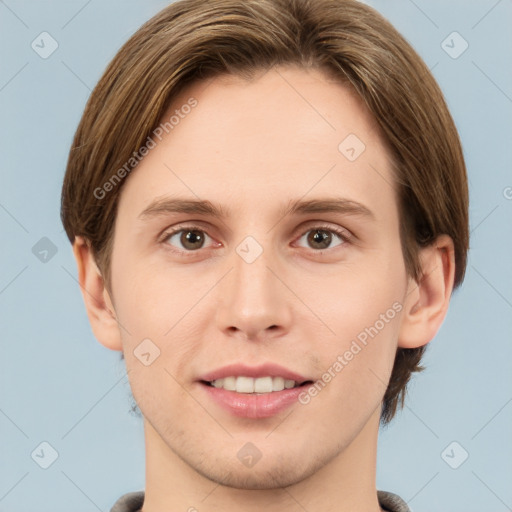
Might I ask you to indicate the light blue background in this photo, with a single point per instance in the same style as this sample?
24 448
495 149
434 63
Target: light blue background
59 385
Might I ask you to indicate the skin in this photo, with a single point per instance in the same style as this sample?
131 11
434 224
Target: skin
251 146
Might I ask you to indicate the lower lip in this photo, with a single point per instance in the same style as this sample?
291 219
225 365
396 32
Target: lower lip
253 405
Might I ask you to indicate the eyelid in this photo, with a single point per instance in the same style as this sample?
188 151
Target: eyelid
343 233
339 230
186 226
196 225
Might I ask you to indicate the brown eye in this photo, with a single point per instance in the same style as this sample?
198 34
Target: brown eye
321 238
192 239
188 239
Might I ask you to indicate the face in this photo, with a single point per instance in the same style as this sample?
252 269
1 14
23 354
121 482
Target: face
290 274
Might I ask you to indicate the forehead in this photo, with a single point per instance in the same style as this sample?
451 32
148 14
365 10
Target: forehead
284 134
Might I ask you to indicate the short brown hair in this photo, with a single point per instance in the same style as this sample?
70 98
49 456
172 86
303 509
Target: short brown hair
193 40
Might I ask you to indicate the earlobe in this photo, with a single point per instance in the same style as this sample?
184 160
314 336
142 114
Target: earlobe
426 302
97 301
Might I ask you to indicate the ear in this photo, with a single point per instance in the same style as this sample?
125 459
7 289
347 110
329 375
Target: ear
427 301
98 304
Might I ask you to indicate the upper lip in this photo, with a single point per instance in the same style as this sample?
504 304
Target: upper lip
263 370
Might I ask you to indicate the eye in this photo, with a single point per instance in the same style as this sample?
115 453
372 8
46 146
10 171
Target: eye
320 237
191 238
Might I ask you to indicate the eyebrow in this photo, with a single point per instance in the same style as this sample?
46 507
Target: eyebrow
168 205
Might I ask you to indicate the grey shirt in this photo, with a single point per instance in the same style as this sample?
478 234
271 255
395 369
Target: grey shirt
132 502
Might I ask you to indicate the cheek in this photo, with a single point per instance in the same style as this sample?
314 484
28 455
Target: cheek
148 301
159 312
356 371
364 348
362 309
358 298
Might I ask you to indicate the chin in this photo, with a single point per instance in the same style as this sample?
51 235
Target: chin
262 476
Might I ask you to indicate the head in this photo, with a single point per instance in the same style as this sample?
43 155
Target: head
253 105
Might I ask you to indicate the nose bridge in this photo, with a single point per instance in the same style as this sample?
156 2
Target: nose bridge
251 273
252 299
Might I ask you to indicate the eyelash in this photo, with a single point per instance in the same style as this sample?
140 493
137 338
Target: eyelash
343 234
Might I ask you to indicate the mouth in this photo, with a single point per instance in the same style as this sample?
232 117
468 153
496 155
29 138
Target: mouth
259 385
253 391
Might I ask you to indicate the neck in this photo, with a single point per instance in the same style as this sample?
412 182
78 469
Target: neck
345 484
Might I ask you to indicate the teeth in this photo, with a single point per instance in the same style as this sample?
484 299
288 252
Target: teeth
244 385
289 384
229 383
277 384
249 385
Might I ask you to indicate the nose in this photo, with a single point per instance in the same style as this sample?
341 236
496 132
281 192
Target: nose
253 301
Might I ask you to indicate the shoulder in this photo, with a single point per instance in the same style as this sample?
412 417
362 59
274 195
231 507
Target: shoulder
392 502
129 502
132 502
